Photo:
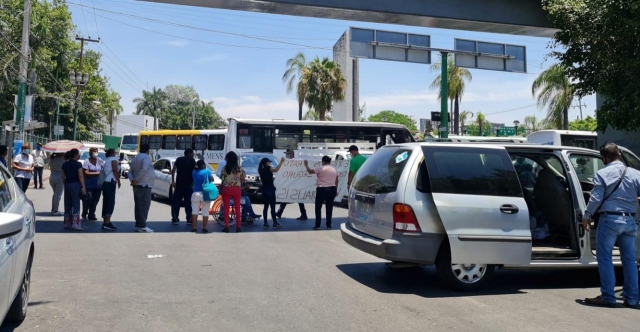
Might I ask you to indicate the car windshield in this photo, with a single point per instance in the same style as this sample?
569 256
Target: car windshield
85 155
254 160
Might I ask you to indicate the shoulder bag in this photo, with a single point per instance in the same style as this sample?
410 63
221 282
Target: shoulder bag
103 174
209 190
596 216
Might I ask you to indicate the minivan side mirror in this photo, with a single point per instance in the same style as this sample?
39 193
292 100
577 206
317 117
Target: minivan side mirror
10 224
166 171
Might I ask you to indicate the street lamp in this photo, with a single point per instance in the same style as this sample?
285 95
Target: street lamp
384 119
79 80
516 123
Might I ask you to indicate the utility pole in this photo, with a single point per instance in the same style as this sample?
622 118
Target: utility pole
444 94
22 75
580 104
80 82
193 118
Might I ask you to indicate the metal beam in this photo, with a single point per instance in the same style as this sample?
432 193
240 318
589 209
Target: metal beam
522 17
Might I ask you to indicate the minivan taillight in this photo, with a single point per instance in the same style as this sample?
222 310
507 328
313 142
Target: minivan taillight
404 220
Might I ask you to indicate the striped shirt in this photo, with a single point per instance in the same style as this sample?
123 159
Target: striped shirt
142 171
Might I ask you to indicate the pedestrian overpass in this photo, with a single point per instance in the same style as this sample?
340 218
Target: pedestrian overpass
521 17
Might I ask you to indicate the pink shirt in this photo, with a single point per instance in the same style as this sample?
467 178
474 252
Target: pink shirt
326 176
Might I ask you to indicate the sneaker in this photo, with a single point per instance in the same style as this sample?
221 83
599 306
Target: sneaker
316 228
279 214
189 222
144 230
109 227
57 213
84 217
175 221
276 225
302 218
329 227
265 226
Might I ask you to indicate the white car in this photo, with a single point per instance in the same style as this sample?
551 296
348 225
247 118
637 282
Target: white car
162 186
17 231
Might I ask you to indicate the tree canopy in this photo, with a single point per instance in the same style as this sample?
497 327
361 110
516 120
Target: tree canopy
587 124
598 44
395 117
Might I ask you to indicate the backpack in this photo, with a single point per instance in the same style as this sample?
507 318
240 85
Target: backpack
209 190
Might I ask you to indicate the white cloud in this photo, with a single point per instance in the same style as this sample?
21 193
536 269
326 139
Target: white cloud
178 43
211 58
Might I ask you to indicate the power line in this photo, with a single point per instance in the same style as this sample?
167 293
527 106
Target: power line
122 78
511 110
132 73
95 19
84 18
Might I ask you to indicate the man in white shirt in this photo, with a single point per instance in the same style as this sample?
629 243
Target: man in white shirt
39 157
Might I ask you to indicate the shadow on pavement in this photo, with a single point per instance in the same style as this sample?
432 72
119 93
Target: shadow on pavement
423 281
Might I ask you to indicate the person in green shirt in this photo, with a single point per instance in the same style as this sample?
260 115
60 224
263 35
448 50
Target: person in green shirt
355 163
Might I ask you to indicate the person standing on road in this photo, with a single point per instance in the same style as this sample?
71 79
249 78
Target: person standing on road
233 177
182 186
73 179
303 211
3 155
268 190
92 168
55 181
39 157
142 178
615 197
327 189
23 166
355 163
112 177
198 177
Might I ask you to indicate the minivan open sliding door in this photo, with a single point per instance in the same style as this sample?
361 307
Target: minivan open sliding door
480 202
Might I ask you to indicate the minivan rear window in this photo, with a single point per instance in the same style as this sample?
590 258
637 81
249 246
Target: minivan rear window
381 172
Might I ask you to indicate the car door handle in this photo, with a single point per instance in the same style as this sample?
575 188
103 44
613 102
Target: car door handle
9 245
509 209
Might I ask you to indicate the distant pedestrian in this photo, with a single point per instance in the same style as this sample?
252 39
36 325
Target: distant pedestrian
142 177
111 179
55 181
3 155
355 163
327 189
182 184
233 178
92 168
23 167
289 154
73 179
615 195
268 190
200 175
39 157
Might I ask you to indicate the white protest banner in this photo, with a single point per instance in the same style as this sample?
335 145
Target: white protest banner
295 185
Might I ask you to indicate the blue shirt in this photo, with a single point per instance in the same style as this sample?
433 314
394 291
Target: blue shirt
199 177
625 199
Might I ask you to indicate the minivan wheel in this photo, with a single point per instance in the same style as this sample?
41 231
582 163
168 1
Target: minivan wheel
18 310
462 277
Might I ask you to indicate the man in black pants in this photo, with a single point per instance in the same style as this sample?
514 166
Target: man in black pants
182 186
327 189
289 154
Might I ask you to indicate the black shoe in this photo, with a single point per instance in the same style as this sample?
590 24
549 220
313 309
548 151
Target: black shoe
225 230
109 227
238 230
317 228
194 230
276 225
93 219
279 214
205 231
189 222
626 304
599 301
175 221
302 218
265 225
84 216
329 227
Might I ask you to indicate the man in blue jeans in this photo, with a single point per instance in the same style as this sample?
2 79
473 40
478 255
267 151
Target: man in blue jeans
182 185
615 196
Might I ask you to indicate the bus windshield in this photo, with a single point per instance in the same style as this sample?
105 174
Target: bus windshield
129 142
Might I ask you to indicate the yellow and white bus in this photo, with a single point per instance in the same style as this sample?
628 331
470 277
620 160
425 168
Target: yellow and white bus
208 144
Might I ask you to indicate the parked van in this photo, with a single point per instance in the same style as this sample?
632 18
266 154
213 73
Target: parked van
471 207
581 139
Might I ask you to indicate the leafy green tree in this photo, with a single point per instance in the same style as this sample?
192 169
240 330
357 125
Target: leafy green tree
555 92
597 43
395 117
456 81
293 79
587 124
325 84
464 116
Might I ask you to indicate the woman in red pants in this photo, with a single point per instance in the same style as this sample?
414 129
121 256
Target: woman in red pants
232 182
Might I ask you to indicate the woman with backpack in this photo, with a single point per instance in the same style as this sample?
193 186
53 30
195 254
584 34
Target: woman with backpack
203 192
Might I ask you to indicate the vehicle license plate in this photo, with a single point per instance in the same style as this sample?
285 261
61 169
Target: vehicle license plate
364 210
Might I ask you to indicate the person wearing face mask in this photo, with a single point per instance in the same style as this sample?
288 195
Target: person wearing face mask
39 157
92 168
23 166
74 186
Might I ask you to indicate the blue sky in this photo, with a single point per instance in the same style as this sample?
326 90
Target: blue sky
244 80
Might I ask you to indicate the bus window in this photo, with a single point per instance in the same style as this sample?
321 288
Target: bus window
263 138
323 135
155 142
216 142
144 140
199 142
184 142
288 137
169 142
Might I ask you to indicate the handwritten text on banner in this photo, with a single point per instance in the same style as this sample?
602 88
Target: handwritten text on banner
295 185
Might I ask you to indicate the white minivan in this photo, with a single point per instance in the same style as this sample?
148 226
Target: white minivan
469 208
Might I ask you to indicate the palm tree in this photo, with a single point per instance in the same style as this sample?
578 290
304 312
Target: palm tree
531 124
463 118
456 81
325 84
294 73
481 120
555 92
150 104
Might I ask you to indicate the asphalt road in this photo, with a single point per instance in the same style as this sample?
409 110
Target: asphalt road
293 279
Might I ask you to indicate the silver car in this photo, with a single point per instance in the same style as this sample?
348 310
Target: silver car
162 186
470 208
17 230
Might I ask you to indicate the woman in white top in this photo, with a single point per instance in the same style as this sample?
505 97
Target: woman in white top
112 177
23 166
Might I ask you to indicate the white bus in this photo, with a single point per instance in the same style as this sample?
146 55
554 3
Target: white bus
129 145
582 139
275 136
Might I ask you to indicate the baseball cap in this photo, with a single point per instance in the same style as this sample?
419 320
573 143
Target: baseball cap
353 148
288 151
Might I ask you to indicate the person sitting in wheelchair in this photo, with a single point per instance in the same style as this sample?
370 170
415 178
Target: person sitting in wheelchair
247 208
